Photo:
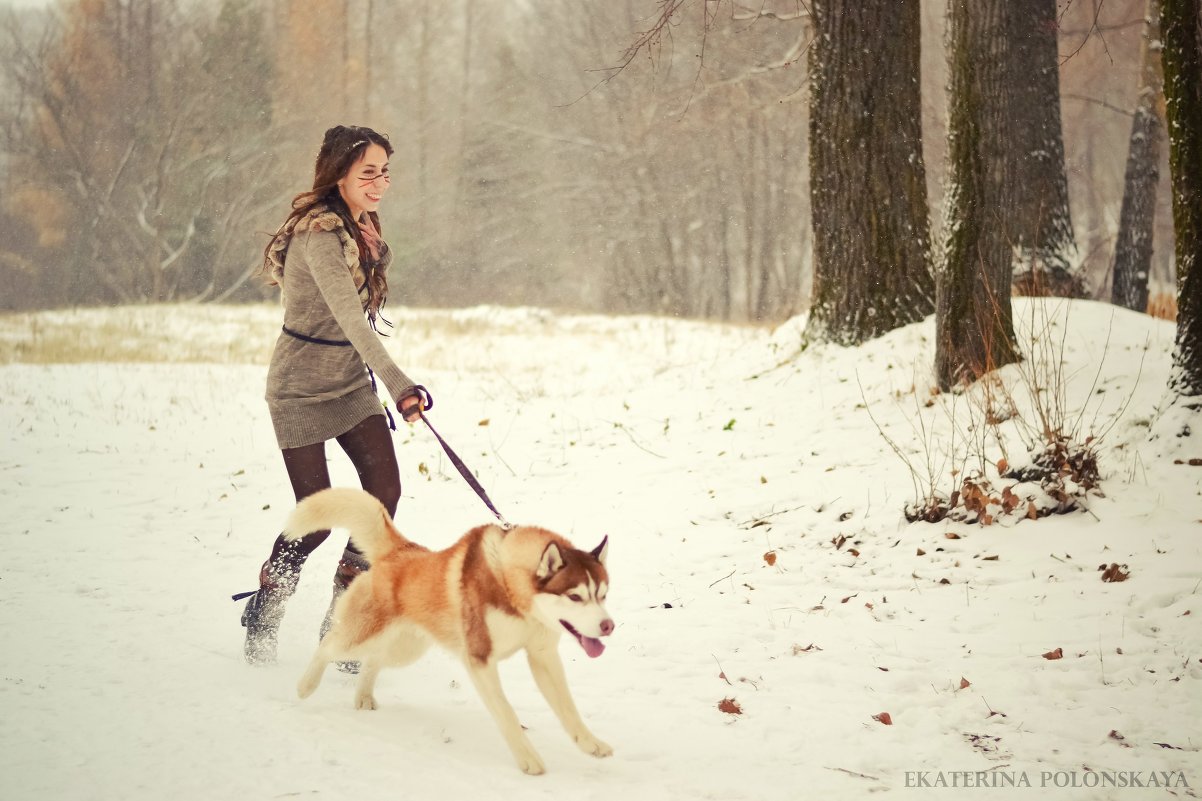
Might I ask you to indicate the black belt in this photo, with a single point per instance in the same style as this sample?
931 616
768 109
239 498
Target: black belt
341 343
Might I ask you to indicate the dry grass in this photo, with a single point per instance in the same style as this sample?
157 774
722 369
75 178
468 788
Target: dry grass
457 340
175 334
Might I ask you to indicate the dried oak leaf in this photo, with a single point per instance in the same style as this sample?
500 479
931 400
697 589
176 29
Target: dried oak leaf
770 558
883 718
1057 654
1115 572
730 706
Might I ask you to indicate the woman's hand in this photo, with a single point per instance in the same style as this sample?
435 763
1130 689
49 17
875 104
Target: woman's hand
411 408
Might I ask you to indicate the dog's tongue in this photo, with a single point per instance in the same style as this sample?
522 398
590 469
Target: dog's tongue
592 646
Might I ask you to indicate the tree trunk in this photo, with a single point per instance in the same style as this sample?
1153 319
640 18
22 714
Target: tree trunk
1181 28
1039 225
1133 250
867 184
974 330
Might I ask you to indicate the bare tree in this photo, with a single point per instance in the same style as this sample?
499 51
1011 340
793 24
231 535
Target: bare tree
974 329
1181 25
868 196
123 127
1133 250
1036 218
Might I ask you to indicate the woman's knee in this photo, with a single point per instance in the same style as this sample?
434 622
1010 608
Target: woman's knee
388 492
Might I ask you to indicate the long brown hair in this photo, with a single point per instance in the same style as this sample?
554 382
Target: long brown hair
341 147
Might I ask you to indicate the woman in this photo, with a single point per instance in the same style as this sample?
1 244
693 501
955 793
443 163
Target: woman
331 264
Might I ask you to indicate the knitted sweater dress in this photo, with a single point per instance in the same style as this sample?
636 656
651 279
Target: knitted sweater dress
316 392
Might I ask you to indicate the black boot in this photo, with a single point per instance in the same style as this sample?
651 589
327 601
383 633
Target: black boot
263 613
350 565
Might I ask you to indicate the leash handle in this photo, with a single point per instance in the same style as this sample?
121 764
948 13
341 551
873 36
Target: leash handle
467 474
425 402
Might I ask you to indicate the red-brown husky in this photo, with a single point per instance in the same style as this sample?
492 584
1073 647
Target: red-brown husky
489 595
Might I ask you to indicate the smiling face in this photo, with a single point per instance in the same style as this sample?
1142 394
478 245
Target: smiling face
366 181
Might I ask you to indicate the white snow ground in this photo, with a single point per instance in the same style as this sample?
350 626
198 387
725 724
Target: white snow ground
138 493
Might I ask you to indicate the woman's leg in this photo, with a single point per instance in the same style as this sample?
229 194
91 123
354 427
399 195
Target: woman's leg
308 472
280 573
369 446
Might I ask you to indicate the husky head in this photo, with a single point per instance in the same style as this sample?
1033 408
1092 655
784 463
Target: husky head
571 589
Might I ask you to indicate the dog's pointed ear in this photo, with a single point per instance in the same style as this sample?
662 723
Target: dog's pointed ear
550 563
602 550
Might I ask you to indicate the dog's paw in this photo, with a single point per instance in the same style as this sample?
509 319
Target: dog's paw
365 701
531 763
307 684
591 745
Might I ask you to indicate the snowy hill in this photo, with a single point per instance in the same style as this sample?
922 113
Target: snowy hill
758 551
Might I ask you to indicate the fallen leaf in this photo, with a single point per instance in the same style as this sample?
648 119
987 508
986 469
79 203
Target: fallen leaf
964 683
770 558
1002 465
1057 654
848 598
797 649
951 535
730 706
483 422
839 542
853 552
1114 572
1032 512
921 552
884 718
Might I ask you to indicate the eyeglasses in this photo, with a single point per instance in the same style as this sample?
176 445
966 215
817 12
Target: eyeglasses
368 180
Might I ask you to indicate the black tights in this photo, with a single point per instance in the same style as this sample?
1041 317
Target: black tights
369 446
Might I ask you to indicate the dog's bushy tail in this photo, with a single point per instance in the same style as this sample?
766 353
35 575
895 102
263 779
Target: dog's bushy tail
358 511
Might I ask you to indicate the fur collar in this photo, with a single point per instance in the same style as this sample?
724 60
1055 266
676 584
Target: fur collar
321 218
